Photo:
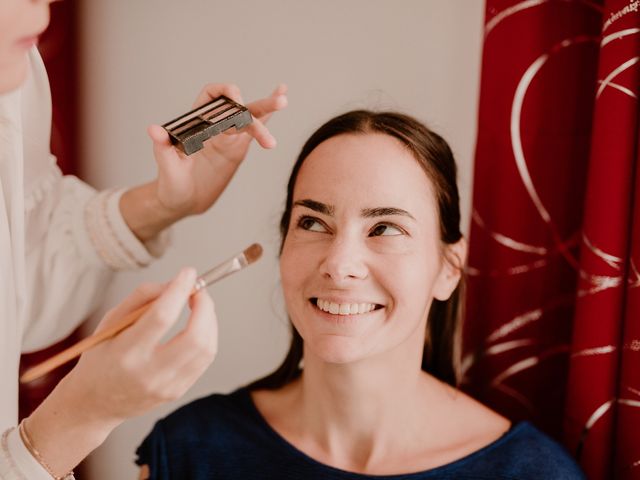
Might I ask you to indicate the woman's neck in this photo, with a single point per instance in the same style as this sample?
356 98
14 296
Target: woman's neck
381 415
355 414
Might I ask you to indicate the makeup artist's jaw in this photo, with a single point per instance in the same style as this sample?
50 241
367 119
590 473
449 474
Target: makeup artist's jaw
21 23
362 258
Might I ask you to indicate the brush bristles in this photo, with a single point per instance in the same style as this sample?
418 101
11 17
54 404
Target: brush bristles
253 253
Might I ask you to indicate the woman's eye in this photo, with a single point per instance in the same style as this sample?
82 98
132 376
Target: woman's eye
385 230
311 224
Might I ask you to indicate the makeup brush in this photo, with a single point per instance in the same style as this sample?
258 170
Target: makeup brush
234 264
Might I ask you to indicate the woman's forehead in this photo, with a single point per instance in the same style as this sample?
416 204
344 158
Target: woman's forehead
367 170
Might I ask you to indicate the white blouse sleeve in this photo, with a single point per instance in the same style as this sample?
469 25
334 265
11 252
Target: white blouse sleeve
16 462
75 239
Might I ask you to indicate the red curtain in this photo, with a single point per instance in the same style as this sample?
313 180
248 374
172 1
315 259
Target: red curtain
552 331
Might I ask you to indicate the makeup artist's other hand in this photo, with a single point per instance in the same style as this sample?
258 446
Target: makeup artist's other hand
135 371
188 185
191 184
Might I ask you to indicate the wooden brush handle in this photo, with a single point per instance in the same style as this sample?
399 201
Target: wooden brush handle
83 345
234 264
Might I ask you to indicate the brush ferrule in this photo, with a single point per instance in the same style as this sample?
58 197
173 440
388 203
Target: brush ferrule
227 268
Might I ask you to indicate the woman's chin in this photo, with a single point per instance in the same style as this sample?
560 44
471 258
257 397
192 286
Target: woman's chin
336 350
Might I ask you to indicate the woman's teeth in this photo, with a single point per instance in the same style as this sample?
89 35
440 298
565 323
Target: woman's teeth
344 308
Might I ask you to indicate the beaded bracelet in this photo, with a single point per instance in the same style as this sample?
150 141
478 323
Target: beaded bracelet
22 429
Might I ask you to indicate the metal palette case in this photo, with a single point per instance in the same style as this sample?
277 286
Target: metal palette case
189 131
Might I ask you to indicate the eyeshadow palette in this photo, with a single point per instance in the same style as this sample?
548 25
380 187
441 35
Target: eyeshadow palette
189 131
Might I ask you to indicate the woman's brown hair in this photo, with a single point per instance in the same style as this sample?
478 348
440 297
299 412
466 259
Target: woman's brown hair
440 357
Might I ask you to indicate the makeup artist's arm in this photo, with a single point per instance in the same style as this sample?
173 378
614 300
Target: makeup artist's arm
128 374
188 185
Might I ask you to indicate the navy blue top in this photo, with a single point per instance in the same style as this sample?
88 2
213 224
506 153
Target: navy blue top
225 437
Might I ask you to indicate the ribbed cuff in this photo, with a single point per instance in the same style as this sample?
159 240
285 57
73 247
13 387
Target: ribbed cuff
112 238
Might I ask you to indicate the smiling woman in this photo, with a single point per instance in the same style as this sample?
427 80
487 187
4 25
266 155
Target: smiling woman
371 260
366 221
422 177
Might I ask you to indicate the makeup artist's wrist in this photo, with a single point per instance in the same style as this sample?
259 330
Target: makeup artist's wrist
64 429
145 214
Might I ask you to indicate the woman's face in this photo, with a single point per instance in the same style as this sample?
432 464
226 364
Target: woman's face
21 23
362 259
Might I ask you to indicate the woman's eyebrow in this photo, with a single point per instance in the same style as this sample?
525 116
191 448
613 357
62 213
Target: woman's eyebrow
365 212
384 211
315 206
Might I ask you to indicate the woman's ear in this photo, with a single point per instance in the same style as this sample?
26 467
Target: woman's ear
454 257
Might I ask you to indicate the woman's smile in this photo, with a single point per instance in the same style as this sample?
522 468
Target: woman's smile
344 308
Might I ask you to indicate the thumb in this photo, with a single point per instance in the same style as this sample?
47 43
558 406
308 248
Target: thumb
171 161
159 135
162 146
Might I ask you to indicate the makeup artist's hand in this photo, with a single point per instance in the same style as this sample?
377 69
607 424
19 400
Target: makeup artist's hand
137 370
188 185
128 374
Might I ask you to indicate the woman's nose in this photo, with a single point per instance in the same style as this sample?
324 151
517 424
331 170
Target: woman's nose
345 260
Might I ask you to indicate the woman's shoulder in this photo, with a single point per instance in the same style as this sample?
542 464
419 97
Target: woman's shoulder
220 412
490 446
205 432
524 452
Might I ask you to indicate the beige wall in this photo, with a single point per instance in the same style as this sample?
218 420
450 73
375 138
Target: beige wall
144 61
